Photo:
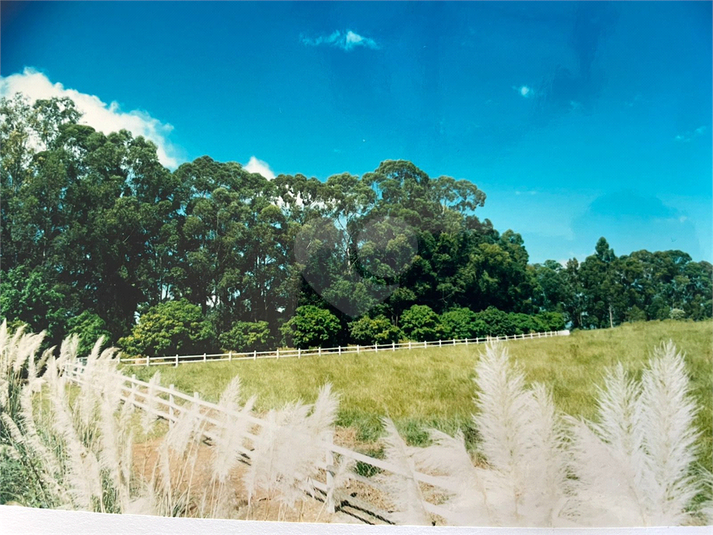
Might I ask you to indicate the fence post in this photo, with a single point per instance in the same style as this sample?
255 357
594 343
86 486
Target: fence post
357 348
424 344
170 405
440 344
319 351
329 461
205 357
466 342
299 352
340 350
254 354
148 361
277 353
176 365
230 356
393 346
376 348
454 341
409 344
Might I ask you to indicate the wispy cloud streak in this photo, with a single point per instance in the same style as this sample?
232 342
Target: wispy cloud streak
347 40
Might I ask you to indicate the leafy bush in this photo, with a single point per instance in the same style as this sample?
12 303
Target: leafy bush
28 296
677 314
498 323
169 328
635 314
550 321
378 330
89 327
311 327
247 336
421 323
462 323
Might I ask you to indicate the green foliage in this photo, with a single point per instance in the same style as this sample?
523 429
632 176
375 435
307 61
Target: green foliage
168 328
677 314
247 336
30 297
498 323
90 327
378 330
421 323
550 321
462 323
311 327
635 314
94 222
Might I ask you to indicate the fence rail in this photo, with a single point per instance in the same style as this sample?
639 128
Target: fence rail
169 403
175 360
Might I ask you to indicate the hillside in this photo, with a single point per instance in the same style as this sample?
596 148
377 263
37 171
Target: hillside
433 387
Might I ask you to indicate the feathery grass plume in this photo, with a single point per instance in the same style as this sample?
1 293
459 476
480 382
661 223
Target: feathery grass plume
507 420
447 459
81 474
547 501
175 463
669 436
150 402
403 488
342 474
290 448
114 441
230 433
634 466
275 453
228 443
68 350
608 457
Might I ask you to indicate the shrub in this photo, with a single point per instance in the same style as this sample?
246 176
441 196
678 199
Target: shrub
89 327
378 330
677 314
421 323
169 328
550 321
635 314
462 323
247 336
498 323
311 327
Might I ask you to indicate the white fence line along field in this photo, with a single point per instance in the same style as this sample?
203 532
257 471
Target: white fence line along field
169 403
230 356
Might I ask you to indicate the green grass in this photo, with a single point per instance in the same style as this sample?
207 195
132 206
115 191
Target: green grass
434 387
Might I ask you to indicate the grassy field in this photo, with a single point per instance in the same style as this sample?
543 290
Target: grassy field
434 387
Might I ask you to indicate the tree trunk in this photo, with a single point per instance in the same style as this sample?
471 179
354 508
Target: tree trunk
611 319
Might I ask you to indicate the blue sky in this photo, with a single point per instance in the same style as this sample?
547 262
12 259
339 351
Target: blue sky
577 119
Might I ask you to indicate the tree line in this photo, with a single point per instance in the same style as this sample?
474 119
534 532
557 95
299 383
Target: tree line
99 238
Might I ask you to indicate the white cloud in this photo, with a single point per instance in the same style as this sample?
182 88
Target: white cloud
687 136
345 40
524 91
258 166
103 117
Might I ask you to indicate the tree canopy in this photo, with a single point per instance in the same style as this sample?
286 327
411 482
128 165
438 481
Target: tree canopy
97 233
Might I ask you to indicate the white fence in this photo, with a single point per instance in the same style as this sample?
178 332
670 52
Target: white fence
175 360
169 403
